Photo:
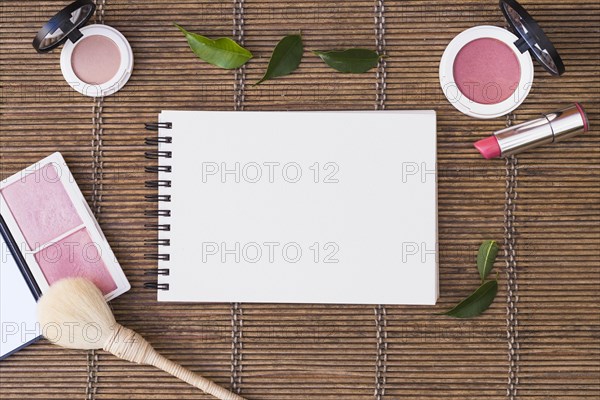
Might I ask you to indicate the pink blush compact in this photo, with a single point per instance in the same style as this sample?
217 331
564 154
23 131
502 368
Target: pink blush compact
487 71
55 230
483 74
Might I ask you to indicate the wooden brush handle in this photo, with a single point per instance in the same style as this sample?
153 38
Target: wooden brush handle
129 345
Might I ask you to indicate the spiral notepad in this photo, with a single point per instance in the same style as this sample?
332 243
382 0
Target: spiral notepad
301 207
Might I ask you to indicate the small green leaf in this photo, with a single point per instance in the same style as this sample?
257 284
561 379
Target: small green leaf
355 61
486 257
285 58
476 303
222 52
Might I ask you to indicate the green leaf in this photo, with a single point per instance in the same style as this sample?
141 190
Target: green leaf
222 52
355 61
476 303
285 58
486 257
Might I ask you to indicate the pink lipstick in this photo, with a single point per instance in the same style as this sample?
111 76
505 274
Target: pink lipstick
549 128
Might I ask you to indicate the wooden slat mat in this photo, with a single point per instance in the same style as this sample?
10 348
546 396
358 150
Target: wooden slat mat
539 340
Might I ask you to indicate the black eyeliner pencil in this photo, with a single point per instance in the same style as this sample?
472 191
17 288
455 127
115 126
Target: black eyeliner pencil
19 259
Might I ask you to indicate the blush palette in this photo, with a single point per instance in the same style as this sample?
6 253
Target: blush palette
55 229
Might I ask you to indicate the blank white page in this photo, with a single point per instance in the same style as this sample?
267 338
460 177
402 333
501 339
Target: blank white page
301 207
18 316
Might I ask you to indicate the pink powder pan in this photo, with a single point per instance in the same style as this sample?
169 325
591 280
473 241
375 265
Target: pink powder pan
55 230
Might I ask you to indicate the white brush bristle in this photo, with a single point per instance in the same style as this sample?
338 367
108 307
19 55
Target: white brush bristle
73 313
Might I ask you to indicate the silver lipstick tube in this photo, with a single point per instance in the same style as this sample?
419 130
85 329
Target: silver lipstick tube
549 128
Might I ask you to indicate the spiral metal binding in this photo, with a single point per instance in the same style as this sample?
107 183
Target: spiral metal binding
159 183
157 227
157 168
156 285
157 242
157 257
157 213
154 126
155 154
153 141
155 198
158 271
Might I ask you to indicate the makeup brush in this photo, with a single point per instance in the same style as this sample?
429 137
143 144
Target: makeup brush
74 314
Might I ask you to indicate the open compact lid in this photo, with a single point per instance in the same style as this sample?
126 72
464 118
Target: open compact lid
532 37
64 25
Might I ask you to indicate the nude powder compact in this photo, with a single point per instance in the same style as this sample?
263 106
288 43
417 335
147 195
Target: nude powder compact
96 60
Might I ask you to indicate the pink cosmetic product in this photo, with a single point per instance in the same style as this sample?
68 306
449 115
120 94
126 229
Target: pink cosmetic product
96 60
487 71
55 230
549 128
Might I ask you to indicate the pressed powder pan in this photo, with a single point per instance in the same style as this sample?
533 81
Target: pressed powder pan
95 59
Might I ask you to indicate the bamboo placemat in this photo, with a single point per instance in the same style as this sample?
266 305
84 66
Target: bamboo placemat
539 340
